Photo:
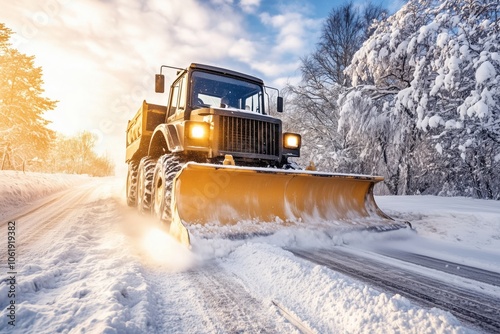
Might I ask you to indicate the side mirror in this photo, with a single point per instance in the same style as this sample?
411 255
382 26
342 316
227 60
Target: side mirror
279 104
159 83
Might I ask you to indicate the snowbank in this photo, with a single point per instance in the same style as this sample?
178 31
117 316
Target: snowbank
470 222
19 188
330 302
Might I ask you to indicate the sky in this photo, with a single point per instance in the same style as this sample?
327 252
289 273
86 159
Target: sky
99 57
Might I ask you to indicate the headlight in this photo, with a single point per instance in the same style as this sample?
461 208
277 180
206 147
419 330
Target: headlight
291 140
198 130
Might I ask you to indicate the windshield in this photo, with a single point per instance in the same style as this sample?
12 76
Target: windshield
211 90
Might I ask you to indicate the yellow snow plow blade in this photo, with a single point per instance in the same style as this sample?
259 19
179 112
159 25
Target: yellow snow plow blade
206 194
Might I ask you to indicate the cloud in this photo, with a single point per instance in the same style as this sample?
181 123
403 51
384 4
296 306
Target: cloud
294 30
243 50
284 81
273 69
249 6
99 57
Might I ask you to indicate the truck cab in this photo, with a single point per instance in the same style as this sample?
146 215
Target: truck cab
212 112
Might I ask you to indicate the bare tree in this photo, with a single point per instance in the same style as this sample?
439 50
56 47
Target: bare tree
313 102
344 31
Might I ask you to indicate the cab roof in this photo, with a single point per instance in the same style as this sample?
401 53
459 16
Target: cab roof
225 71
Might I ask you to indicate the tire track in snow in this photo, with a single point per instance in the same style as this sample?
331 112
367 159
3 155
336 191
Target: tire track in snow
49 218
46 222
173 300
36 206
232 309
477 309
449 267
213 300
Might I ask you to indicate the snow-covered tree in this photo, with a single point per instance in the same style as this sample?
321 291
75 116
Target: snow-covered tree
427 84
76 155
23 130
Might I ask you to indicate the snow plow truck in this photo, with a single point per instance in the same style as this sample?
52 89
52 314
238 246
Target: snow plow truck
214 157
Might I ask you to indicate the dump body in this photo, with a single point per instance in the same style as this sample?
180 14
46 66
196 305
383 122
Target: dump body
141 127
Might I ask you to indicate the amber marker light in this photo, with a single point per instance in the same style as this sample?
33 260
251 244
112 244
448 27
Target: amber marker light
291 140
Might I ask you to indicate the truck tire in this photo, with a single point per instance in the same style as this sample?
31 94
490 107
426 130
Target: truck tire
166 169
144 183
132 184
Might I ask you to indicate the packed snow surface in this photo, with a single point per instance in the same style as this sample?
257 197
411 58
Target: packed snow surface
87 263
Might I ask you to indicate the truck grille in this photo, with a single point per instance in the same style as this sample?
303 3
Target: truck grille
251 136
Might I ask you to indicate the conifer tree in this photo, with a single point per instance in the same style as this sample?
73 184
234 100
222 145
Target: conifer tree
24 134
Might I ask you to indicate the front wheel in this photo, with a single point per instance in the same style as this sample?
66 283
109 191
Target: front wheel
166 169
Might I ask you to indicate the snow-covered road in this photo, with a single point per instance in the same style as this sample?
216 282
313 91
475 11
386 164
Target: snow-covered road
478 304
85 262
